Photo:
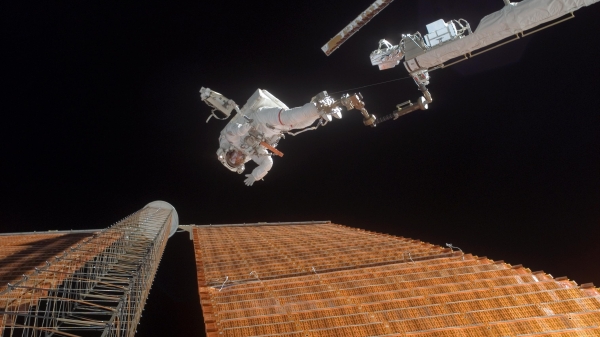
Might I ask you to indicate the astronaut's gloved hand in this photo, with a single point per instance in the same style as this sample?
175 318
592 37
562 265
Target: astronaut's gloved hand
249 180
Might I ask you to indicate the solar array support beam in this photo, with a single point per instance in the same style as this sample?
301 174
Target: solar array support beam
96 288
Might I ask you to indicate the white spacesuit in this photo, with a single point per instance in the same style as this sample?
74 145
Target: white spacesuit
259 126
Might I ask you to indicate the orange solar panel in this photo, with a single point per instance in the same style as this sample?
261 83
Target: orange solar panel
329 280
20 254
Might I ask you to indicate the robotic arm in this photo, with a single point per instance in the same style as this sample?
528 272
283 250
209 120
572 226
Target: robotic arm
329 106
447 43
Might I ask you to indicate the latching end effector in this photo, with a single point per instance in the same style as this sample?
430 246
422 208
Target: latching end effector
217 102
355 102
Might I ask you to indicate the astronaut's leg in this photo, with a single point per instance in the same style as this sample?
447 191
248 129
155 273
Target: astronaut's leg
292 118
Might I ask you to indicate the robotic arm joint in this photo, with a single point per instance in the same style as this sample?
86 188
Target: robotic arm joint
329 106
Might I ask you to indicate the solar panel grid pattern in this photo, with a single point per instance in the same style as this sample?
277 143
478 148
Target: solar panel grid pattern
93 284
20 254
356 289
273 251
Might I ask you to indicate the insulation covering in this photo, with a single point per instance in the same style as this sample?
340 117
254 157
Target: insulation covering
508 21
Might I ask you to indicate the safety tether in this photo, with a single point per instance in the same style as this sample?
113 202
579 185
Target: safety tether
372 85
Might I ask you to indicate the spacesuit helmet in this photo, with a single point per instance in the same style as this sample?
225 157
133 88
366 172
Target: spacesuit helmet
235 158
222 156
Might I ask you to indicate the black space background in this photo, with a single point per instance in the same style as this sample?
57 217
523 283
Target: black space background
100 115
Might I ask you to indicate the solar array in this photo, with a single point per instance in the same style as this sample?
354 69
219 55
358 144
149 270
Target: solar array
22 253
332 280
82 284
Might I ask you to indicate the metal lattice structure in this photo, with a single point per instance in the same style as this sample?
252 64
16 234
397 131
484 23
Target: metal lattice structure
327 280
97 287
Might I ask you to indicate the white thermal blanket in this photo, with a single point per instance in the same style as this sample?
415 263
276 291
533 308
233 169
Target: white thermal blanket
499 25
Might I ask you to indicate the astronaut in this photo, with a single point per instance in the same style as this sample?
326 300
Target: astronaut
254 132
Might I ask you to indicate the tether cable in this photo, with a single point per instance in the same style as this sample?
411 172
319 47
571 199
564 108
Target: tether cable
371 85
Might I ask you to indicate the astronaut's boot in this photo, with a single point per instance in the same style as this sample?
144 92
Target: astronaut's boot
337 113
325 116
326 106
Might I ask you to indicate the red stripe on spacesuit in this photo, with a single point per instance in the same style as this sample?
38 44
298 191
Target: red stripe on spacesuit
279 116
